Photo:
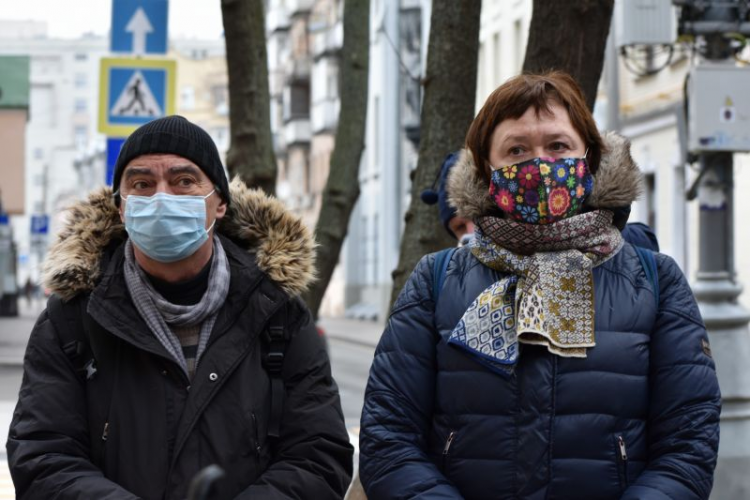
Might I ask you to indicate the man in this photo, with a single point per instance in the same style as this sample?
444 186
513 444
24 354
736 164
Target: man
460 228
169 346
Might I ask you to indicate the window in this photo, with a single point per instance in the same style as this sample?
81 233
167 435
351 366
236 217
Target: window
80 80
520 47
80 137
300 96
220 95
496 57
80 106
187 98
333 83
376 133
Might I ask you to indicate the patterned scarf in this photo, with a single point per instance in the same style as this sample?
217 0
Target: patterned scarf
548 296
159 314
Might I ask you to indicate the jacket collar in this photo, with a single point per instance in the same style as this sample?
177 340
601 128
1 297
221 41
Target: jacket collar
617 183
282 245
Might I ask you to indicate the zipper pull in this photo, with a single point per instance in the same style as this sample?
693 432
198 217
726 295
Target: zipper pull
623 450
106 431
257 441
449 442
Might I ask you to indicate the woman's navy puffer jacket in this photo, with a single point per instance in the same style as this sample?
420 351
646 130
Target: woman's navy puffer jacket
637 419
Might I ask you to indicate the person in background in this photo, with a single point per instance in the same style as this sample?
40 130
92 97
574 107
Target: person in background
552 364
175 339
460 228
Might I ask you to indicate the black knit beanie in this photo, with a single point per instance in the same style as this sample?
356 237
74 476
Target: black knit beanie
173 135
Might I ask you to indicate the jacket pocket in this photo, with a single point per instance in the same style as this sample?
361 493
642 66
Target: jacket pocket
622 460
445 459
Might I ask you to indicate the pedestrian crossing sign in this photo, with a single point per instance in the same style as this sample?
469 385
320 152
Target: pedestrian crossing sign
133 92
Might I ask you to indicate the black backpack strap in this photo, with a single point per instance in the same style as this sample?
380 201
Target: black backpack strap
277 337
648 261
72 333
439 268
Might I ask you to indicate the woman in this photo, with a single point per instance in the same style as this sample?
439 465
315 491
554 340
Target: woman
548 366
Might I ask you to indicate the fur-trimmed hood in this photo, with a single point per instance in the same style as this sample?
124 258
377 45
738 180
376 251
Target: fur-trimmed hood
283 246
617 183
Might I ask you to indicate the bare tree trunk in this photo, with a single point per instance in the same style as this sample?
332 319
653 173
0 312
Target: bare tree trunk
448 109
342 187
575 45
251 152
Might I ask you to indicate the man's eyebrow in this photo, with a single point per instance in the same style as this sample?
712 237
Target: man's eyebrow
134 171
183 169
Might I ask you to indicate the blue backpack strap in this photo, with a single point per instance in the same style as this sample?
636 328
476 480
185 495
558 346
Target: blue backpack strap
648 261
439 267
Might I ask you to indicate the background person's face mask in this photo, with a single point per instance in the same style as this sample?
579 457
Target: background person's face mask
542 190
167 227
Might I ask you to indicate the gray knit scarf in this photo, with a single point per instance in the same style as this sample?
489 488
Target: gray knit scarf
158 313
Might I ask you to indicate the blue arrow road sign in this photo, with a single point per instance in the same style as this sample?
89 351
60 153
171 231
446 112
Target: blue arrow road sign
139 26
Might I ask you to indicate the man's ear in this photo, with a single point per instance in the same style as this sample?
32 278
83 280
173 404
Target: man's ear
221 210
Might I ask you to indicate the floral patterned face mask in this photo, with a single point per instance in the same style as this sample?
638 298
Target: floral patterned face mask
542 190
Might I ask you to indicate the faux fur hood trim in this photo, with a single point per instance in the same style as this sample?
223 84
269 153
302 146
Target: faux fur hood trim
283 246
617 183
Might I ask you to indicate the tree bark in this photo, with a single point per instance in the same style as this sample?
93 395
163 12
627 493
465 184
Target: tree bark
447 111
342 186
251 153
570 36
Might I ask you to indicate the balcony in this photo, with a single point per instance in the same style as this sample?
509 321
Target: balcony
277 19
297 131
276 82
298 69
296 7
328 42
279 145
325 115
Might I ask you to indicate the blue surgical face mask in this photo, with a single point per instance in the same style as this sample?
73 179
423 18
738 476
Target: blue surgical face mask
167 227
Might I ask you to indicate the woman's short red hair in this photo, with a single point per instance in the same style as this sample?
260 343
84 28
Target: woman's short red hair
514 97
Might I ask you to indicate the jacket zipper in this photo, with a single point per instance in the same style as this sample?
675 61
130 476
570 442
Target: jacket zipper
623 457
257 441
447 447
103 456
